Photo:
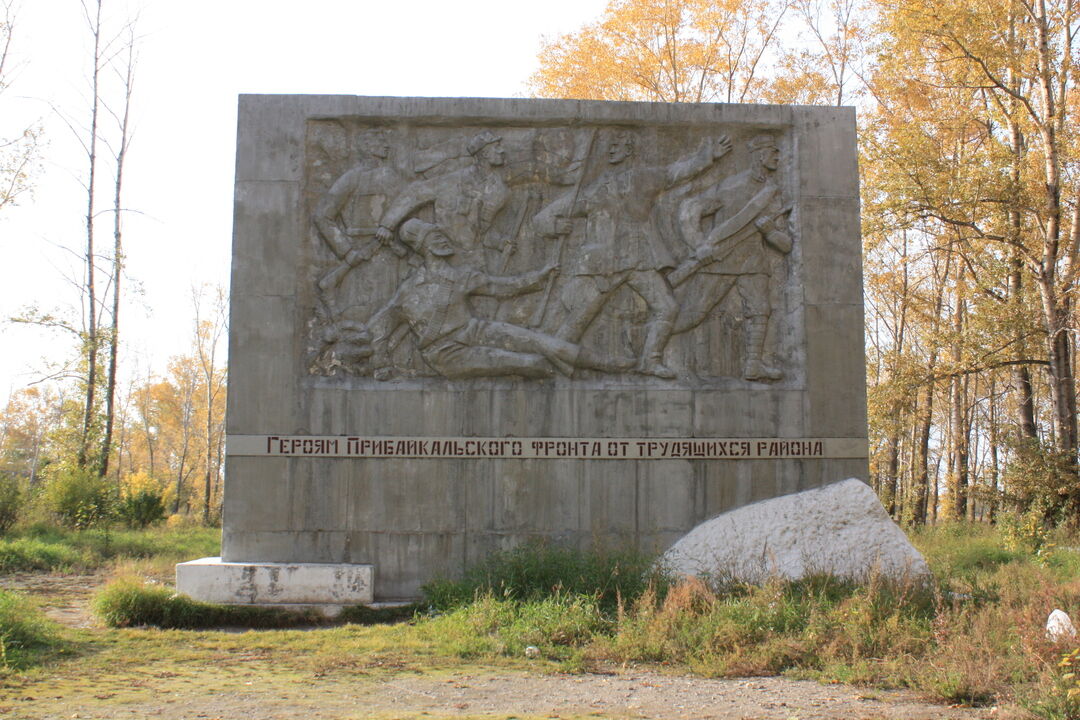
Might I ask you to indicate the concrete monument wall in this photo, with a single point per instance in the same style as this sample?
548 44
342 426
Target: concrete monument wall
458 324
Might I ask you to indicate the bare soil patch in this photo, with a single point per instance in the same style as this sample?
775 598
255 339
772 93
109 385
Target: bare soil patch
64 598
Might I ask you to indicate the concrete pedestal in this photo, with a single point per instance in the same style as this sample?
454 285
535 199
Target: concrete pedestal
327 586
701 349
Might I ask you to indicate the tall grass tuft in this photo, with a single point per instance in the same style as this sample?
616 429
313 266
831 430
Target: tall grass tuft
537 570
130 602
26 635
809 625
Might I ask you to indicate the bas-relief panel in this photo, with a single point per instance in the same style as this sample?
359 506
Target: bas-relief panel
591 253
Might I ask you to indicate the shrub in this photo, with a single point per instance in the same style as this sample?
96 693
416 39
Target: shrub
180 521
537 570
1027 531
142 509
80 499
130 602
1058 695
25 633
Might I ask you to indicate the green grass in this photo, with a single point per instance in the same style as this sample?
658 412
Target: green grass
44 547
26 635
975 636
364 615
558 627
536 571
960 550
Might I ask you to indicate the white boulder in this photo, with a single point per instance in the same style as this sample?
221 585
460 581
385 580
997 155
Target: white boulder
1059 627
840 529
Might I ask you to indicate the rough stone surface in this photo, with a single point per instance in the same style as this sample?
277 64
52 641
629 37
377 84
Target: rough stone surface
1059 626
466 268
276 584
841 529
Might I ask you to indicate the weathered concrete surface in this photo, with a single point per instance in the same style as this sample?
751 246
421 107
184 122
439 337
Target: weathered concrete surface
841 530
275 584
414 519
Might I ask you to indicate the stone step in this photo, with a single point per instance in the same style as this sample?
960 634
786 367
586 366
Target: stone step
276 584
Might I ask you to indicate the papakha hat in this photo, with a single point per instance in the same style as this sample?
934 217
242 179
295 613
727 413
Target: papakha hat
761 141
481 141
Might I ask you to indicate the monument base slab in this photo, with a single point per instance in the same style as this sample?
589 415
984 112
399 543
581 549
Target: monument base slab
325 586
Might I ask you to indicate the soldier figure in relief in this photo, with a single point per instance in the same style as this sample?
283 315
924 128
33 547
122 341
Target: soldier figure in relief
466 201
434 302
750 225
348 215
621 246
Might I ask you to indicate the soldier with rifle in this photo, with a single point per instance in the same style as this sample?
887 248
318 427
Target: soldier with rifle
347 216
621 246
750 225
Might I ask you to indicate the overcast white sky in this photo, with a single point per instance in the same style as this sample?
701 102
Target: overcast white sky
195 58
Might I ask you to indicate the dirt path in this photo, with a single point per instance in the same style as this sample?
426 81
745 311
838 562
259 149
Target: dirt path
649 695
199 687
64 598
633 695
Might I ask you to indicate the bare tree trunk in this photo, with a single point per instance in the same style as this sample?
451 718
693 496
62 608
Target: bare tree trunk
208 334
121 444
995 472
1060 377
147 424
35 456
892 472
209 442
118 259
1055 304
921 454
895 423
1021 374
958 473
187 421
923 493
1025 406
937 493
92 339
219 451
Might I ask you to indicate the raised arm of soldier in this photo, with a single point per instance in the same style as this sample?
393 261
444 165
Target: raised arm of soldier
711 150
414 196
